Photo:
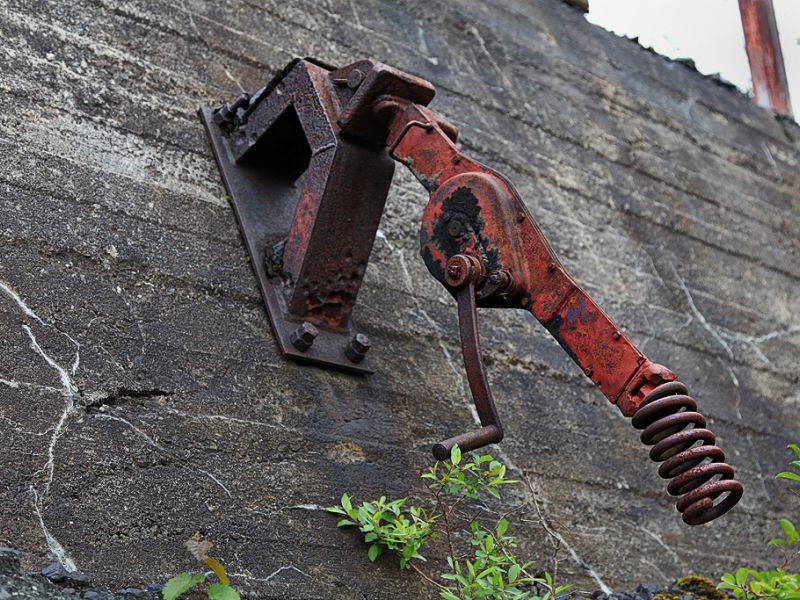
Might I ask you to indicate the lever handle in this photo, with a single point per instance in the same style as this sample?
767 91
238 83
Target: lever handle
462 274
476 220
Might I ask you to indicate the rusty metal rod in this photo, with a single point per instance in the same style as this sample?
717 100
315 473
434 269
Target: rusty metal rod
763 46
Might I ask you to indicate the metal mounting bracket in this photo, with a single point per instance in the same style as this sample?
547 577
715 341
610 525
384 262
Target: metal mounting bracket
307 199
308 161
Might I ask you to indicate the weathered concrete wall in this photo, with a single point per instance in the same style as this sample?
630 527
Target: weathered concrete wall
141 396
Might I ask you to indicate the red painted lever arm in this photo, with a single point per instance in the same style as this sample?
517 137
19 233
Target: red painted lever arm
475 215
486 217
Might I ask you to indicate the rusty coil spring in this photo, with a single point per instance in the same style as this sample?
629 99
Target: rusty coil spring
672 426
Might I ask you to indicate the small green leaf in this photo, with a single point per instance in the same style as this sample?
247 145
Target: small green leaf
219 591
181 584
789 530
502 527
741 576
344 523
513 573
788 475
777 542
455 455
794 448
374 552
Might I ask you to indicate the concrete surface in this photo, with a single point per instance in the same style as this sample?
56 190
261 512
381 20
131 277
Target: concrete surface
141 396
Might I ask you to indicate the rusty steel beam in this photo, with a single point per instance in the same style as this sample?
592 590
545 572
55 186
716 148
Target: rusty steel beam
763 46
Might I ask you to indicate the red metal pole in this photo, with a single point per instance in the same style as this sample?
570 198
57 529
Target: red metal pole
764 53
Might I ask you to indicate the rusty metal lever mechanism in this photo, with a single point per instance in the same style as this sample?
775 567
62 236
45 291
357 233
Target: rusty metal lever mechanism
308 161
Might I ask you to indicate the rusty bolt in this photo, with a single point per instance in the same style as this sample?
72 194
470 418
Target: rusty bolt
462 268
456 159
223 115
355 78
525 302
588 371
551 267
358 348
241 102
455 229
615 335
454 271
494 278
303 337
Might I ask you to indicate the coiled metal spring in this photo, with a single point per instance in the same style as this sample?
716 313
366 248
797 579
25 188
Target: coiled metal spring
673 427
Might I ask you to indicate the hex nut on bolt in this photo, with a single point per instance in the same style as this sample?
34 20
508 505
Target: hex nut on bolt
303 337
355 78
454 271
358 347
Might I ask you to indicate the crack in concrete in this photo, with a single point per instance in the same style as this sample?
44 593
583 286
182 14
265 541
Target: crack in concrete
698 315
654 566
98 402
217 481
723 335
753 341
153 443
137 430
728 366
19 429
313 507
409 283
489 56
56 549
277 511
275 573
545 521
27 384
69 391
660 541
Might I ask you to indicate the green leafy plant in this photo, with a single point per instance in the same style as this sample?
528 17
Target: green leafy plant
184 582
795 463
486 567
749 584
388 526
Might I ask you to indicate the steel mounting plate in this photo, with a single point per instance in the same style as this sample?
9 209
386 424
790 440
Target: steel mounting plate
264 212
